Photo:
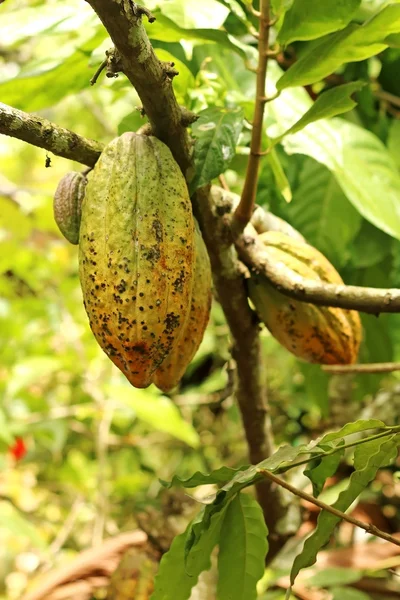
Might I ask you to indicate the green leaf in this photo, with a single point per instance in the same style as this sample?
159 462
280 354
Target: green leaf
216 131
220 475
27 22
281 180
164 29
369 457
394 141
68 76
31 370
343 593
194 15
320 209
179 571
242 549
329 104
361 164
354 43
13 521
334 576
157 411
131 122
351 428
322 468
5 430
307 20
279 7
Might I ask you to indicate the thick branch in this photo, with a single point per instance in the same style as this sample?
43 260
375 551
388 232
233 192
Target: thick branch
44 134
251 392
368 300
149 76
245 209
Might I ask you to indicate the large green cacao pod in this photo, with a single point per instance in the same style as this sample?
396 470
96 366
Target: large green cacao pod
136 254
316 334
172 369
67 205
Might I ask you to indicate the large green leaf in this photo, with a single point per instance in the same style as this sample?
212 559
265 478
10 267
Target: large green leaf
157 411
221 475
361 164
192 14
307 19
242 549
369 457
165 29
329 104
179 571
320 210
216 131
354 43
28 22
43 88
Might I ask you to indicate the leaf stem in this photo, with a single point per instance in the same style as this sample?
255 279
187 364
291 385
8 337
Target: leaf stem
245 209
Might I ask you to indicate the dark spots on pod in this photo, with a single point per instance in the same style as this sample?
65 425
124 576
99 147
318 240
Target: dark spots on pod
179 282
121 287
139 348
171 322
141 308
157 230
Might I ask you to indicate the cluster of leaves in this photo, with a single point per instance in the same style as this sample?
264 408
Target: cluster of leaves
342 175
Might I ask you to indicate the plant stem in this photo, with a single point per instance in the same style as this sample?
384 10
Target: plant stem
366 526
245 209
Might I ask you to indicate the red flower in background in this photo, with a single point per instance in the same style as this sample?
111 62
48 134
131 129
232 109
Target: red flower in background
18 449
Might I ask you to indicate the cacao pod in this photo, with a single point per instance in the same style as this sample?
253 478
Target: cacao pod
172 369
316 334
67 204
136 254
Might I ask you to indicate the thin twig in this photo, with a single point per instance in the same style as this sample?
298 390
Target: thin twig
334 511
363 368
244 210
395 100
42 133
68 525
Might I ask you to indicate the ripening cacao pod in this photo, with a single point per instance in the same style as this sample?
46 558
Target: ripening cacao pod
136 254
172 369
67 205
316 334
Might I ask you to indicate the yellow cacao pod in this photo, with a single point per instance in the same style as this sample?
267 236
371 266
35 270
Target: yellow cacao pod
316 334
136 254
172 369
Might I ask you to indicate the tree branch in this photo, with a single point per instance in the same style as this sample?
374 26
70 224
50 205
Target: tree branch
251 385
245 209
44 134
148 75
368 300
341 515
